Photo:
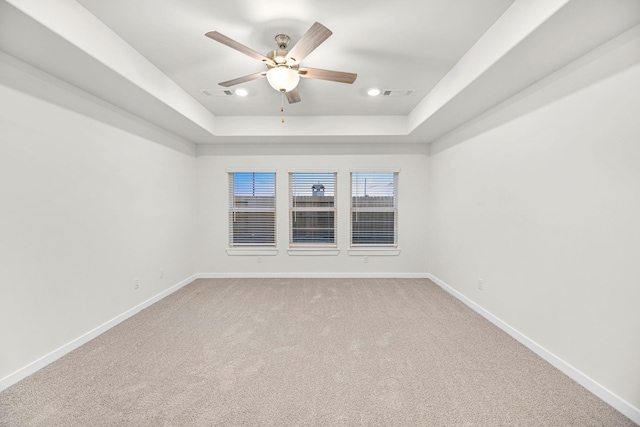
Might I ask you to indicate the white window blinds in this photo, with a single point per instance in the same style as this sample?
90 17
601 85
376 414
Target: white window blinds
252 209
374 209
312 208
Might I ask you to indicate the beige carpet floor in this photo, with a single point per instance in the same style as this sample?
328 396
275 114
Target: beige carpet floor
304 352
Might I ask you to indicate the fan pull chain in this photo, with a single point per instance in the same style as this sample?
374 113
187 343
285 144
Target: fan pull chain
282 106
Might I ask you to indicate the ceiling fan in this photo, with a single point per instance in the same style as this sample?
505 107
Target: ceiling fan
283 66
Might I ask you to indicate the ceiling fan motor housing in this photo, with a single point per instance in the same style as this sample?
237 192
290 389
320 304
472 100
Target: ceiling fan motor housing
279 57
282 40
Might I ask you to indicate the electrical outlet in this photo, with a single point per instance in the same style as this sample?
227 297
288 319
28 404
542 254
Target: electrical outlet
366 259
136 284
259 260
480 284
162 273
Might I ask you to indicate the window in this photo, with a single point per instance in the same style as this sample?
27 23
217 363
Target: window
374 209
252 209
312 208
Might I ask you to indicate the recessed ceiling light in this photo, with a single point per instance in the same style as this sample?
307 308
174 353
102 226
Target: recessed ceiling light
373 92
241 92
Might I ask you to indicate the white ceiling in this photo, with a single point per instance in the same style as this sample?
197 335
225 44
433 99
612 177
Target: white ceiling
405 44
461 57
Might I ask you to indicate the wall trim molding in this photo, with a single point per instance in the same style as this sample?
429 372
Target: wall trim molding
593 386
374 252
56 354
252 252
305 275
313 251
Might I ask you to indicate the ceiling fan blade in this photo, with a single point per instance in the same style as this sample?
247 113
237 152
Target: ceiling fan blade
334 76
313 38
243 79
221 38
293 96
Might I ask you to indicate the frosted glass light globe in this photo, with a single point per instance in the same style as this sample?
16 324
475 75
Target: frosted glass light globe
283 79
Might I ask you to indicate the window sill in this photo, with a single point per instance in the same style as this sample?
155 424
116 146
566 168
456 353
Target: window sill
374 252
252 251
313 251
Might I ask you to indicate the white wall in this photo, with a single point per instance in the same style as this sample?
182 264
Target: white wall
86 207
214 162
541 199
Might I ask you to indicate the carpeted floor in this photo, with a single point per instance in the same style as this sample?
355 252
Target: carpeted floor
304 352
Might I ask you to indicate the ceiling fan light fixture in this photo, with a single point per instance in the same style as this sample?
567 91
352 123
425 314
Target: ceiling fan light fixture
283 79
283 64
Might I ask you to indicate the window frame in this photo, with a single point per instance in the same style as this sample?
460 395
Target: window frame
356 209
295 208
269 207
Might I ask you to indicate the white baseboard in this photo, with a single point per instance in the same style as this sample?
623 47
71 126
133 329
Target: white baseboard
307 275
32 367
594 387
